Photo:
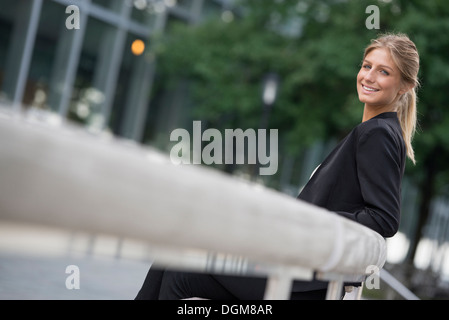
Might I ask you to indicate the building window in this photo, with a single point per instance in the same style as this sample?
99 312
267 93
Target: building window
43 62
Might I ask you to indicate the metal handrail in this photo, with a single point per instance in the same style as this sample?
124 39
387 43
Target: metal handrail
397 286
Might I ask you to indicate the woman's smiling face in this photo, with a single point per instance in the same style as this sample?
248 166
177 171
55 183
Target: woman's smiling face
379 82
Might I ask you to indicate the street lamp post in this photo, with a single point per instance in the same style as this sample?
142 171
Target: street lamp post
269 95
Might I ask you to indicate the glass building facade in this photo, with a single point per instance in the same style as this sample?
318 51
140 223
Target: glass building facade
100 73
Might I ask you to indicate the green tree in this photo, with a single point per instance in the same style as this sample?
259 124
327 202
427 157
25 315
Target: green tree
427 23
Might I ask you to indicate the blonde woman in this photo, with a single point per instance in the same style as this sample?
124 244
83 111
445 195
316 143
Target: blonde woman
360 179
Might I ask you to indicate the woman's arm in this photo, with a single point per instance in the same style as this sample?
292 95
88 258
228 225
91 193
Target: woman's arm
380 170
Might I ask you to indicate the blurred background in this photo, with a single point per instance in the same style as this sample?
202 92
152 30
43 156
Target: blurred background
138 69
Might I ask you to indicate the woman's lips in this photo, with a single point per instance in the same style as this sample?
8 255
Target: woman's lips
369 89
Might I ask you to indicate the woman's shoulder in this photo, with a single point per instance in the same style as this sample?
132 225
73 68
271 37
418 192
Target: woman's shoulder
381 126
380 129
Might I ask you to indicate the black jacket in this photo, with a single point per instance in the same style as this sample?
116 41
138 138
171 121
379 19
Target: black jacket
361 179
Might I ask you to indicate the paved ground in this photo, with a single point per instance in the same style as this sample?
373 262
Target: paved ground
28 277
33 263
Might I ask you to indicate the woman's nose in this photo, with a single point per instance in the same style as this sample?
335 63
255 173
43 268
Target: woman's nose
369 76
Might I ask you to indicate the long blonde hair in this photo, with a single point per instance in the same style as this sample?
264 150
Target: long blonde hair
406 57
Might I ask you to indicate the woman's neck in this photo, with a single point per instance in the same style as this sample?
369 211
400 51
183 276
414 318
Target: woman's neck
371 112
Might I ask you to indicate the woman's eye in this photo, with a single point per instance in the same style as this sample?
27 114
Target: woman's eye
385 72
366 66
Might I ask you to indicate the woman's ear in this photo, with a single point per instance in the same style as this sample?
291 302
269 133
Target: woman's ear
406 87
